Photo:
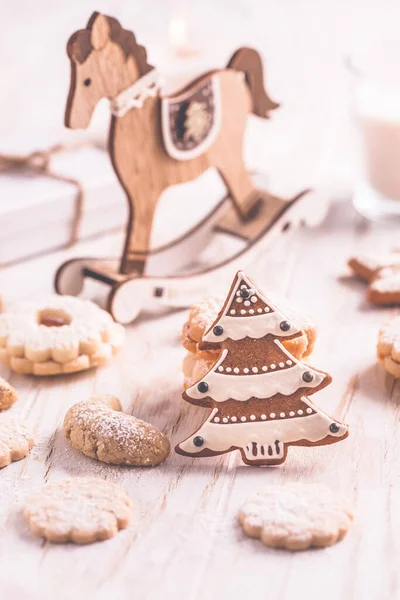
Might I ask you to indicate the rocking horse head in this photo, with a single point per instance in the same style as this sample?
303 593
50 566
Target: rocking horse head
105 60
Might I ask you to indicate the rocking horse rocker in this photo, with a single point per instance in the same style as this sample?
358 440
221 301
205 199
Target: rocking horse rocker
157 141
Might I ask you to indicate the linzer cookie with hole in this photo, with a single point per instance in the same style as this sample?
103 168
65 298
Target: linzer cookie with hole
388 348
382 273
257 390
99 429
58 335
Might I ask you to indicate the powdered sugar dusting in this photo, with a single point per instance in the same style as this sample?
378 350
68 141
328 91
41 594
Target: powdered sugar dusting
81 510
296 516
114 437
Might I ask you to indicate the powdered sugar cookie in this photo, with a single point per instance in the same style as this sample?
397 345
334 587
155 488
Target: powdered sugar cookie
368 265
385 288
16 440
382 272
97 428
8 395
388 348
58 335
296 516
82 510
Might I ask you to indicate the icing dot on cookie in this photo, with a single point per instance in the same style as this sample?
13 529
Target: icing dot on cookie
263 417
246 303
266 309
225 420
272 415
242 287
233 311
242 312
309 411
265 368
221 368
245 370
300 412
255 370
289 363
236 370
273 366
291 414
234 419
282 415
252 417
253 299
259 310
281 364
228 369
216 419
243 419
251 311
239 299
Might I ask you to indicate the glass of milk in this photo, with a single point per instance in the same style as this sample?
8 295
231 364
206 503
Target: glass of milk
375 72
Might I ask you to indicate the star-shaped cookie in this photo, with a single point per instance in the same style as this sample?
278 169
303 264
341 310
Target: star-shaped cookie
382 273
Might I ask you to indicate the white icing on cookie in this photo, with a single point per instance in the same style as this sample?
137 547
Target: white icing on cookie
220 438
223 387
254 326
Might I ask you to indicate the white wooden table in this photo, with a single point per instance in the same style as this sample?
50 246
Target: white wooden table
184 542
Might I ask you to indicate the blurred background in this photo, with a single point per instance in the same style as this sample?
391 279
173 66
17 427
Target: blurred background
305 45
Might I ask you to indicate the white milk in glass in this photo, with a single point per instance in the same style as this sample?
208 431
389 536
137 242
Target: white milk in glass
377 114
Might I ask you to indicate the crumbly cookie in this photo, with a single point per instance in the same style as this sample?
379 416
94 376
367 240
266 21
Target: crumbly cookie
195 368
58 335
203 314
382 273
16 440
8 394
296 516
97 429
388 348
81 510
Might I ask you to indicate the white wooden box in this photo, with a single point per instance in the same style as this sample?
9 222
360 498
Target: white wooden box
37 212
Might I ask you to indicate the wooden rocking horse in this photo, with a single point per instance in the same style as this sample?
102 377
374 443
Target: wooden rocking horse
157 141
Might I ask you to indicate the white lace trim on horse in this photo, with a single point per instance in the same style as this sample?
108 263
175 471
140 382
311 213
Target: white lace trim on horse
135 95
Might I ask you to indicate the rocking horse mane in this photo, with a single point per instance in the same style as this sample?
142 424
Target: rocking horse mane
79 45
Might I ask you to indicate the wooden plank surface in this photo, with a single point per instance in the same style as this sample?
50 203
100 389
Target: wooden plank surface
184 541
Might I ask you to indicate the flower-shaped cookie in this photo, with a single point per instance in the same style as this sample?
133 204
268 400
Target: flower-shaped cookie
81 510
296 516
388 348
59 334
16 441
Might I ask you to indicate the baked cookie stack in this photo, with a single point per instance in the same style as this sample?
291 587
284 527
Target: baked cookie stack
200 359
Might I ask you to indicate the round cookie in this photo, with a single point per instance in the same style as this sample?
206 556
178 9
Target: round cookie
8 394
81 510
388 348
58 335
16 440
296 516
96 428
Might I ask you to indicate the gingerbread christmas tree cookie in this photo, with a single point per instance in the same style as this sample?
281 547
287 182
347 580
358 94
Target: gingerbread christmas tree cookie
257 390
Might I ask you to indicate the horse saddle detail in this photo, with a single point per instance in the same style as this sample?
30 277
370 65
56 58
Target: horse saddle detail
191 119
